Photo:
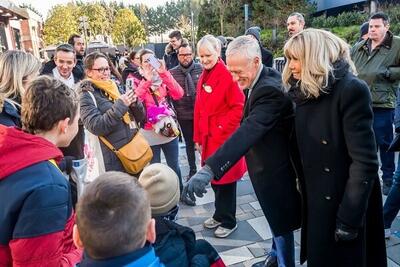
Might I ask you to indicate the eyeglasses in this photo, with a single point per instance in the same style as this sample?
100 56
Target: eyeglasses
102 70
185 55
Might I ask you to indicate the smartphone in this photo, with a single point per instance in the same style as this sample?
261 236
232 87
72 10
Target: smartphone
130 85
154 62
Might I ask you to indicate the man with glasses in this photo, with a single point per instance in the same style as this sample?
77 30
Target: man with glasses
187 74
171 50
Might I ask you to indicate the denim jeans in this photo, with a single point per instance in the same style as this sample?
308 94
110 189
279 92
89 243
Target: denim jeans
383 128
283 249
392 203
171 153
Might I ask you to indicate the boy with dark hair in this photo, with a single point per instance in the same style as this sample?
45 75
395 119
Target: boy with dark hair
36 214
176 245
114 223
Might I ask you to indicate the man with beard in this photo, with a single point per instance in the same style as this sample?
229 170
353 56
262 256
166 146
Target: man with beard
295 23
187 74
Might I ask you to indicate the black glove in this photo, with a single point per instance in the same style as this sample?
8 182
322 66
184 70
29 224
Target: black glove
198 182
344 232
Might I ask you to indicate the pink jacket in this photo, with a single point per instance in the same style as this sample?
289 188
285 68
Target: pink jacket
168 86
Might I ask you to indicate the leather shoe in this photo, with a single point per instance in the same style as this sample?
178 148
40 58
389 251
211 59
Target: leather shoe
270 261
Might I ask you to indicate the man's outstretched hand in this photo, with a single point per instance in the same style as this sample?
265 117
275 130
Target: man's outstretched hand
198 182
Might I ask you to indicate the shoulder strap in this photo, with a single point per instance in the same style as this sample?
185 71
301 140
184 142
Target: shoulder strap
93 98
108 144
154 97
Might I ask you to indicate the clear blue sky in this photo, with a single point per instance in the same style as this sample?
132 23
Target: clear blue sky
43 6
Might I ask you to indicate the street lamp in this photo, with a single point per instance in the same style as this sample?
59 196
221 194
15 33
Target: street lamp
84 25
192 16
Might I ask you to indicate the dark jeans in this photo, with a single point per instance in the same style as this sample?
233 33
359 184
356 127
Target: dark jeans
383 128
392 203
283 249
187 131
225 204
171 153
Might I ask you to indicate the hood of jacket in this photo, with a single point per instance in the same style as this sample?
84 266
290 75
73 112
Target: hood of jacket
19 150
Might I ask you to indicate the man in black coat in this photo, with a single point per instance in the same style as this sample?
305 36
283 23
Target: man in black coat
171 55
264 139
78 71
266 55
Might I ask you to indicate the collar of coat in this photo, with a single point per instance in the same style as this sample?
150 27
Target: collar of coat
340 69
387 42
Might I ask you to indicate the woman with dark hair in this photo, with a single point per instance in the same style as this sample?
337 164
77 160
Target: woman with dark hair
161 130
342 212
132 69
106 111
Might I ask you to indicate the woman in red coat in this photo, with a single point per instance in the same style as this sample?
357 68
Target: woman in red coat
217 114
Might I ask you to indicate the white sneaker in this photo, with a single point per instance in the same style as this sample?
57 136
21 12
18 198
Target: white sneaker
210 223
224 232
387 233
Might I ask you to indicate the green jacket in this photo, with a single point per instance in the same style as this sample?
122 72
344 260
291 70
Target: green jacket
380 69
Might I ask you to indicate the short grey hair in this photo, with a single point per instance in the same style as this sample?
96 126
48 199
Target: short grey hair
211 43
299 16
244 45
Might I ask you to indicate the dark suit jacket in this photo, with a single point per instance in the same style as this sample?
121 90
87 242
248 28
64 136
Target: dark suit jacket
264 138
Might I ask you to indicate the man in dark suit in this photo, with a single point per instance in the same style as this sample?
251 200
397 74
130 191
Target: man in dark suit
264 138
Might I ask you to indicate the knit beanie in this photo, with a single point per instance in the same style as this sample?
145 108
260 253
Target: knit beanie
364 29
255 31
162 186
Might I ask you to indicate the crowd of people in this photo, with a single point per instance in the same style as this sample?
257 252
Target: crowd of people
308 136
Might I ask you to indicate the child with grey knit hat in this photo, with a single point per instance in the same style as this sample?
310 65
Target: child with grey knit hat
175 245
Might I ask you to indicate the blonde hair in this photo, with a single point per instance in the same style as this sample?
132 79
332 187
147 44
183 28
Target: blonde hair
316 51
210 43
15 67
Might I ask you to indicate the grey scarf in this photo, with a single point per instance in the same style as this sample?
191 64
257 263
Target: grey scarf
189 84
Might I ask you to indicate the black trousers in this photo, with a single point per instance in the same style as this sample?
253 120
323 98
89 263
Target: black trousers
225 204
187 131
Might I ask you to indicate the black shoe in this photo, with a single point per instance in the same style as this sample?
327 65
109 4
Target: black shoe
386 188
270 261
186 200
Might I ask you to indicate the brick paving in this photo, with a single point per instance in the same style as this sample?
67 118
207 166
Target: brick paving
252 239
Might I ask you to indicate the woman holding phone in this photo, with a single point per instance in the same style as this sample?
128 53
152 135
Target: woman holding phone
107 111
161 129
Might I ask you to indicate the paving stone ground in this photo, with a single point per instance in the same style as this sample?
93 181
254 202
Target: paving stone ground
252 239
